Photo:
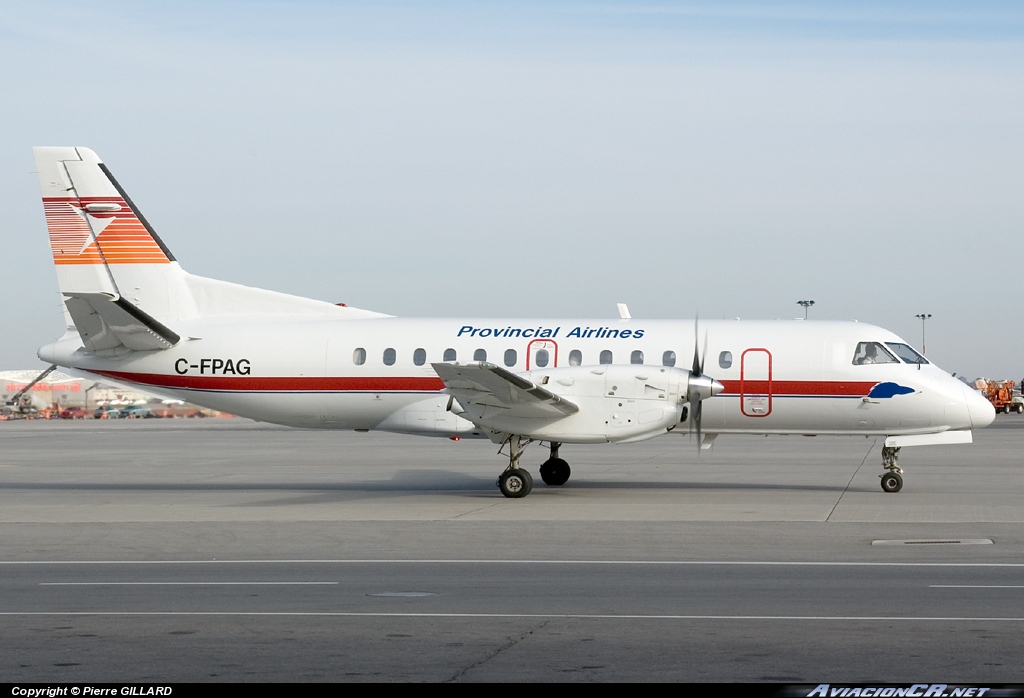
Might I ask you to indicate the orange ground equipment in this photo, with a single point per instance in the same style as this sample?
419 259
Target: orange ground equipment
1001 395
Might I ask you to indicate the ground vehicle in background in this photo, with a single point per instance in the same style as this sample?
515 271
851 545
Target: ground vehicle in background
107 412
74 413
1002 394
1016 403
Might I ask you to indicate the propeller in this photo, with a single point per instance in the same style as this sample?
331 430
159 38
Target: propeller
700 387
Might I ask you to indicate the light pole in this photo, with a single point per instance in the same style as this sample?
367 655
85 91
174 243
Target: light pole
922 317
806 305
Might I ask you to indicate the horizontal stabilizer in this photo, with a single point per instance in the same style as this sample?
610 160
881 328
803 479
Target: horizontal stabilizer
110 323
482 388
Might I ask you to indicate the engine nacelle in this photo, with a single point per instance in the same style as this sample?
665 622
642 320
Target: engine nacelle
617 402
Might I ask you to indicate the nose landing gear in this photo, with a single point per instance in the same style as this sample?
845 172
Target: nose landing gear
892 481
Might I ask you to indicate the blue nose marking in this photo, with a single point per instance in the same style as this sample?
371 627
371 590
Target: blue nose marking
888 389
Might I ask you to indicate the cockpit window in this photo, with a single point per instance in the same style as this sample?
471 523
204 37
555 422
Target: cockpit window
872 353
907 353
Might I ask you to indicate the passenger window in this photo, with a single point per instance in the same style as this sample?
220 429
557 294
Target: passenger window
419 357
637 357
480 355
725 359
575 357
668 358
450 355
872 353
359 356
510 357
389 357
606 357
541 358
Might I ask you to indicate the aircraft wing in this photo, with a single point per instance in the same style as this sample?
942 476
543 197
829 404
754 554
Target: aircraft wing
484 390
110 322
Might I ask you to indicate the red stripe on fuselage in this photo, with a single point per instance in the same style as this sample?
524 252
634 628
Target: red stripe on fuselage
805 388
280 383
430 383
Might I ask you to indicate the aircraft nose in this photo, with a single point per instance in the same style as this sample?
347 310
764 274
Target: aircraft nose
981 410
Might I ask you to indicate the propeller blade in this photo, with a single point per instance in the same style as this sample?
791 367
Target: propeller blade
696 419
697 363
700 386
704 354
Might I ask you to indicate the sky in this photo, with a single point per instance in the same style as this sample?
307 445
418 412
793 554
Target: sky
545 159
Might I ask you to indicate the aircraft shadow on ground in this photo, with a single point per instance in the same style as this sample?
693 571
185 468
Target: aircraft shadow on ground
433 481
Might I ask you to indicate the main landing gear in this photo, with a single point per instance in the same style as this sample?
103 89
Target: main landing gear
516 482
892 480
555 471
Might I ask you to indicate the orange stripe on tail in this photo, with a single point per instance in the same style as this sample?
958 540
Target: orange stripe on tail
122 238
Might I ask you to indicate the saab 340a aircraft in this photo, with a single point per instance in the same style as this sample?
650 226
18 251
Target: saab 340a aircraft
135 316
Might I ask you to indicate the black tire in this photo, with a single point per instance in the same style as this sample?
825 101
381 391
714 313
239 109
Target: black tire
1020 409
555 472
892 482
515 483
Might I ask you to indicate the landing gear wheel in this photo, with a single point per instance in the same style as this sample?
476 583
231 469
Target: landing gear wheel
515 483
555 471
892 482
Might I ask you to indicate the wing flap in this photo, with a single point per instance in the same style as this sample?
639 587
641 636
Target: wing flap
484 389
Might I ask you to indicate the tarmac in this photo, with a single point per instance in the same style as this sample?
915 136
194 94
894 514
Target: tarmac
226 550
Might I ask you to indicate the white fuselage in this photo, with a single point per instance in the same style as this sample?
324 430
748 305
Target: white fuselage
779 376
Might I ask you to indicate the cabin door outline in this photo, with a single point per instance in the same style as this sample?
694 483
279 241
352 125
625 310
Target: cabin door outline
756 382
536 345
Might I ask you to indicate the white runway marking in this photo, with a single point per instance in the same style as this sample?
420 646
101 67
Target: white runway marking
143 584
976 585
944 541
549 616
362 561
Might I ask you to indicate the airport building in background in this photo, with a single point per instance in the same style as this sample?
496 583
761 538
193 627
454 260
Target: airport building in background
63 390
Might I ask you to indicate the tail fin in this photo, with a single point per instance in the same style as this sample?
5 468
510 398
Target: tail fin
94 227
116 272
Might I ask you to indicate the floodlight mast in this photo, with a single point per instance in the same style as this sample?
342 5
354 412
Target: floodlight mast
922 317
806 305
